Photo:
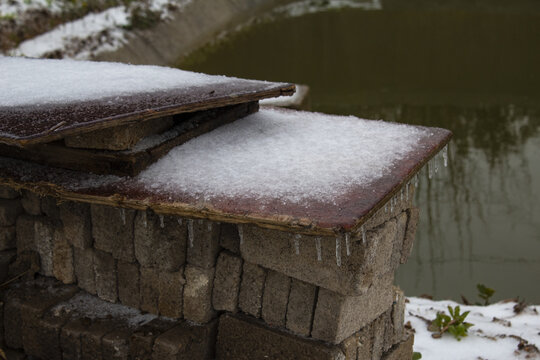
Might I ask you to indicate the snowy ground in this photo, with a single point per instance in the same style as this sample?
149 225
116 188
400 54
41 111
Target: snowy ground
498 332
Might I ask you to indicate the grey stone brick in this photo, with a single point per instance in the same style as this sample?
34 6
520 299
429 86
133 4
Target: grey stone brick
9 210
31 203
171 293
77 223
6 258
25 233
398 316
26 264
186 341
229 238
8 193
91 344
49 207
160 241
8 239
128 284
83 262
203 243
142 340
115 345
365 343
63 258
41 336
300 307
410 233
198 294
401 226
149 300
227 282
338 317
112 230
70 338
275 297
44 231
251 289
403 350
105 276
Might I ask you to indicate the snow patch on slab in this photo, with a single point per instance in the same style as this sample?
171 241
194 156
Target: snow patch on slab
488 338
305 7
17 7
34 82
287 155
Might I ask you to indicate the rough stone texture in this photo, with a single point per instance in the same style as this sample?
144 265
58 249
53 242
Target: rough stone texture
49 207
8 239
83 261
31 203
276 250
91 338
41 336
380 342
25 233
171 291
149 290
401 351
349 347
240 337
338 317
412 223
227 282
142 340
77 223
203 243
300 307
63 258
186 342
275 298
112 229
115 345
365 343
251 289
106 276
198 294
70 338
160 247
6 258
401 226
44 231
26 264
387 212
9 210
128 284
229 238
8 193
398 316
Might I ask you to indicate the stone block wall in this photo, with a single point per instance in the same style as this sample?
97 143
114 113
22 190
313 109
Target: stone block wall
261 293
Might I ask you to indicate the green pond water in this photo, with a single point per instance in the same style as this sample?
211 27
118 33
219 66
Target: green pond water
473 71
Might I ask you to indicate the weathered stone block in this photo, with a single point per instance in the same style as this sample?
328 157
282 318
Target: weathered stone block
115 345
412 223
77 223
203 243
401 227
8 193
8 240
91 338
49 207
401 351
6 258
398 316
9 210
26 264
275 298
83 262
31 202
70 338
142 340
128 284
229 238
300 307
379 334
198 294
227 282
149 300
112 229
338 317
160 241
25 233
251 289
186 341
171 293
41 336
240 337
44 230
63 258
365 343
276 250
106 276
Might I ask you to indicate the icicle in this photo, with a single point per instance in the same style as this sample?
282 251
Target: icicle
200 221
445 155
145 220
209 226
338 251
416 180
319 249
190 232
407 191
430 171
348 243
363 230
386 208
241 234
401 195
123 215
297 243
392 205
436 161
179 221
161 221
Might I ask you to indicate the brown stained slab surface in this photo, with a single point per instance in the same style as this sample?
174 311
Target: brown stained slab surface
25 125
346 213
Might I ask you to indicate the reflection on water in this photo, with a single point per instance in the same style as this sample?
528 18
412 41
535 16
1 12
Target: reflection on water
472 71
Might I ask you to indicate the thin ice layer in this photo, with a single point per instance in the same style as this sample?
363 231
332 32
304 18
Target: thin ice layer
292 156
38 82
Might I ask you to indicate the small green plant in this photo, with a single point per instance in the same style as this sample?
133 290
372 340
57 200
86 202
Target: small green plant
484 293
416 356
454 324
